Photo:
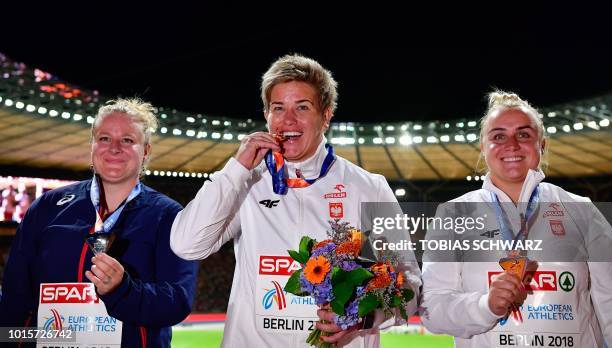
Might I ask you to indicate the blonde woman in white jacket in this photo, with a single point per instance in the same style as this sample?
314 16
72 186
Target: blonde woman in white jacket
569 304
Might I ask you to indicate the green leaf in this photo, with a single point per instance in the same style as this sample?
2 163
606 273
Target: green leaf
293 284
368 304
342 292
337 307
358 275
396 301
407 294
338 276
297 256
403 313
306 244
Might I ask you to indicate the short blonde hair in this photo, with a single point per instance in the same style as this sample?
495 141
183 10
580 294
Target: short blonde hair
295 67
141 112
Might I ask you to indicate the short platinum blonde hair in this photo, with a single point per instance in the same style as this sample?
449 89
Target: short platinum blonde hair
142 113
296 67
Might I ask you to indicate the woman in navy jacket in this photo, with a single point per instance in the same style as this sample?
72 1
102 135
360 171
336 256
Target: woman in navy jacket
139 279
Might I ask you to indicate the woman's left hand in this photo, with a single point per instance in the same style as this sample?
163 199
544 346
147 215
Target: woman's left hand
106 273
335 332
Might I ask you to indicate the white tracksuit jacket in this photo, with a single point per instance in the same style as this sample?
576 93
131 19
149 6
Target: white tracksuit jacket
240 204
571 304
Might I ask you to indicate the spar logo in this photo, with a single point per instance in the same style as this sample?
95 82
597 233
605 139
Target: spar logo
536 281
68 293
277 294
277 265
54 322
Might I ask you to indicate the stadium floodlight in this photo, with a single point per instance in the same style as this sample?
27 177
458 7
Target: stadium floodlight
404 127
168 173
66 115
155 172
592 124
190 119
400 192
19 105
446 125
459 138
90 119
472 124
42 110
0 99
228 136
471 137
405 140
476 178
468 178
181 174
482 177
53 113
350 128
77 117
342 127
162 173
163 130
174 174
551 130
604 123
390 140
177 131
216 135
417 140
8 102
361 140
552 114
227 123
578 126
567 128
193 175
417 127
445 138
216 122
593 108
199 175
431 139
390 128
164 116
459 124
202 135
241 136
205 175
377 141
190 133
148 172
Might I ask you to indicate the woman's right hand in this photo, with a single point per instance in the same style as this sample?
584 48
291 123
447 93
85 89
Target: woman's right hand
505 290
254 147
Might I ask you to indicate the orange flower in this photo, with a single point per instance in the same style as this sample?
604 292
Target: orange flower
322 244
316 269
380 281
356 236
400 279
349 248
379 267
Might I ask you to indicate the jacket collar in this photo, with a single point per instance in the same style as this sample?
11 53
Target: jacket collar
139 201
533 178
311 167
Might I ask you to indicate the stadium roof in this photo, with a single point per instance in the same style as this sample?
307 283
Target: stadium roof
44 122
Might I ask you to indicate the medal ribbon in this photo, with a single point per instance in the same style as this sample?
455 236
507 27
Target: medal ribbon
280 180
104 222
504 224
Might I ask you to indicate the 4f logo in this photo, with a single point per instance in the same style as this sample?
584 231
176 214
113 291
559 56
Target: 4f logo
490 234
269 203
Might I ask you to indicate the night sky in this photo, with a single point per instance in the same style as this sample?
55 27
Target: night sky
388 68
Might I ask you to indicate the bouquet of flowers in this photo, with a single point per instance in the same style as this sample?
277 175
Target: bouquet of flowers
334 273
